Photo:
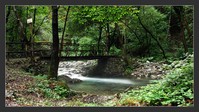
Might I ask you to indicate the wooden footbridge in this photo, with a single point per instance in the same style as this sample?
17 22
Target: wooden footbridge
69 52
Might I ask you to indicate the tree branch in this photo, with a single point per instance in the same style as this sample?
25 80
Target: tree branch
40 25
161 48
62 39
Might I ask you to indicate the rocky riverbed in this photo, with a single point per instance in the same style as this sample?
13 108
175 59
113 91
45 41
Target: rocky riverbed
75 68
113 68
153 70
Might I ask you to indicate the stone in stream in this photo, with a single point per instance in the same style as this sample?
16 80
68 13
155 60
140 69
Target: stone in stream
75 80
67 79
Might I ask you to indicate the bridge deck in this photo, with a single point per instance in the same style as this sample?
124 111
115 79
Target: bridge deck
63 58
69 52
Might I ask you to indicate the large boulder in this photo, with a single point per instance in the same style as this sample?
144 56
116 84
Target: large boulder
112 67
67 79
75 80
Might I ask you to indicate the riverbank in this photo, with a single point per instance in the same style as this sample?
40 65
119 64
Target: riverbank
27 89
21 79
22 90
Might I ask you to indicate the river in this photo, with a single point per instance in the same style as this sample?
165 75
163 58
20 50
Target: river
96 85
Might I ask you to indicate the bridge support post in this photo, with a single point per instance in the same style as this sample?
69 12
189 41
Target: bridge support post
99 70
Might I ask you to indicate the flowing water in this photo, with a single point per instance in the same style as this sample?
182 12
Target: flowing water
96 85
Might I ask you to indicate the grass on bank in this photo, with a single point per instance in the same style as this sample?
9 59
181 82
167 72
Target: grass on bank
175 89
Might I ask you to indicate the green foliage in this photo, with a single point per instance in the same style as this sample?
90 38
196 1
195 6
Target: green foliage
84 21
155 22
175 89
115 51
85 40
128 70
89 18
103 14
50 88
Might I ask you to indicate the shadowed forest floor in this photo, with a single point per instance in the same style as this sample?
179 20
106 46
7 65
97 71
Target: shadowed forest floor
19 82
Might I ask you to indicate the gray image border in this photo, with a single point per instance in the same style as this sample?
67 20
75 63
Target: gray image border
99 109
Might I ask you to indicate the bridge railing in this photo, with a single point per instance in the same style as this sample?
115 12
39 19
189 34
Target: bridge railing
44 49
23 49
84 50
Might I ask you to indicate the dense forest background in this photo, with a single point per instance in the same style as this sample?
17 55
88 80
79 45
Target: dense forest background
158 31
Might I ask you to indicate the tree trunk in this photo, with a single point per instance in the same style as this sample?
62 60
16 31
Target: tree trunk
62 39
180 13
190 34
21 29
99 39
108 38
117 38
34 19
7 17
26 24
8 13
55 48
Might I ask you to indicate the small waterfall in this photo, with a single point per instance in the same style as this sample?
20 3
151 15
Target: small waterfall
95 85
107 80
75 69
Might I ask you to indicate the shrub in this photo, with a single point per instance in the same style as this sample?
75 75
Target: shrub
175 89
50 88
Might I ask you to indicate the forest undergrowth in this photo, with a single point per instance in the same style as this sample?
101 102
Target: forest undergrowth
175 89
